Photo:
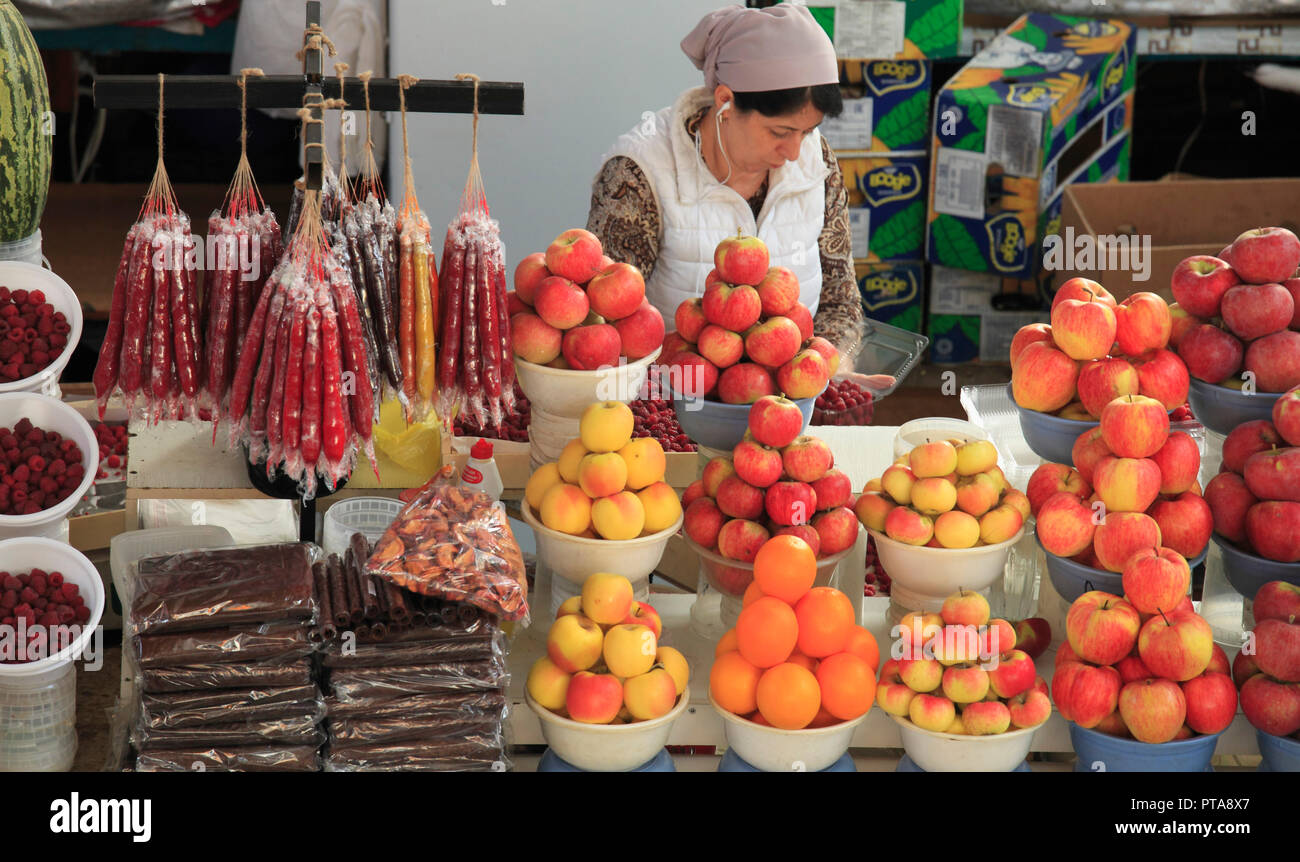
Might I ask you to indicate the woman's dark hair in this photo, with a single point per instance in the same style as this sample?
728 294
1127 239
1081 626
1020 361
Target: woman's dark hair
775 103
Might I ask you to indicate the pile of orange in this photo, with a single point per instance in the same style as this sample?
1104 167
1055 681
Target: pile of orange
796 657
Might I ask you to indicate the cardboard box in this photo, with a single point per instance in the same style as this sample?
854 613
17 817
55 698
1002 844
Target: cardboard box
886 107
964 325
891 29
1166 222
1049 102
886 205
893 293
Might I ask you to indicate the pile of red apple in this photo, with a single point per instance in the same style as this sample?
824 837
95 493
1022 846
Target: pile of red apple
1094 351
1132 488
1240 311
776 482
748 336
1152 677
1267 670
1255 499
573 307
964 673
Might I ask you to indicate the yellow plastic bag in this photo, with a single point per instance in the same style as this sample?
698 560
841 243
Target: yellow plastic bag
408 456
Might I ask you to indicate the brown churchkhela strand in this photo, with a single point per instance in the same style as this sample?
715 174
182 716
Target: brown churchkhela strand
356 612
338 593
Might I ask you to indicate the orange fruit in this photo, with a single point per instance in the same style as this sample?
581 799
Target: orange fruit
757 718
733 682
848 685
823 718
726 644
862 643
826 618
803 661
788 696
785 568
766 632
751 592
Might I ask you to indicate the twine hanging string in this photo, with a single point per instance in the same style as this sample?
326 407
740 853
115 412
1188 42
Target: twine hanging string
410 206
369 182
340 69
160 198
308 242
243 195
475 196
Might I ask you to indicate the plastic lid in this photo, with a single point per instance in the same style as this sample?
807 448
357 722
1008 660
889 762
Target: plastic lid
481 451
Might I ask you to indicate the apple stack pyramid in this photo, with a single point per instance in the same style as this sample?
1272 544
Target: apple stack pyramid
1269 680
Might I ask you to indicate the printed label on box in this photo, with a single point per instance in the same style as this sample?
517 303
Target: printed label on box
999 327
1014 140
859 230
958 291
889 183
959 183
869 28
852 129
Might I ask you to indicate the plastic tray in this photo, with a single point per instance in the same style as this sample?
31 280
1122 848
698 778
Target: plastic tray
889 350
991 408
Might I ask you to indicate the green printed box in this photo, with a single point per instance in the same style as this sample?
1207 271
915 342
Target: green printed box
893 293
886 205
891 29
886 107
1049 102
963 322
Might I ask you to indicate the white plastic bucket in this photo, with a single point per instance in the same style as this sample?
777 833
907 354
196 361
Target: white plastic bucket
25 250
49 414
18 275
369 516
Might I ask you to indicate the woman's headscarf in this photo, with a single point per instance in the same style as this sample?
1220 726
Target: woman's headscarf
754 50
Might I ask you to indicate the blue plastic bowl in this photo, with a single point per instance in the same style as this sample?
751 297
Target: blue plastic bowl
1101 752
1222 409
1071 579
1280 753
1050 437
1248 572
721 426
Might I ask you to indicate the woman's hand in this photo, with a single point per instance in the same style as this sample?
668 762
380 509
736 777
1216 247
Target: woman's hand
875 383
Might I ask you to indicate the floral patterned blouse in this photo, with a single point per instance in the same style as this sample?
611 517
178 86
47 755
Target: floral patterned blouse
625 217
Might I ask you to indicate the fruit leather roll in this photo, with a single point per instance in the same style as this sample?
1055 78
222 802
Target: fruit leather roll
370 731
348 683
211 646
160 711
223 587
292 730
286 758
271 674
458 756
462 649
459 704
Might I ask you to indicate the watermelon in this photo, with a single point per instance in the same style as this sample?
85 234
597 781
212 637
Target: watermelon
26 129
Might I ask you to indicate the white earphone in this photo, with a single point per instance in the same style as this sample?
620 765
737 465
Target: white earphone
725 106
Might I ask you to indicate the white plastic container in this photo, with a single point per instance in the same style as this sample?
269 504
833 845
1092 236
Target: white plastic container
927 430
480 472
369 516
25 250
18 275
951 752
38 699
126 548
771 749
606 747
566 392
923 577
49 414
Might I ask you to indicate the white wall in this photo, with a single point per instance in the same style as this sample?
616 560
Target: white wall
590 68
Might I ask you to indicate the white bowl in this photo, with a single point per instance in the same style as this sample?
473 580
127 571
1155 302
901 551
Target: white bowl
17 275
952 752
575 558
917 431
49 414
566 392
731 577
921 578
606 747
24 554
770 749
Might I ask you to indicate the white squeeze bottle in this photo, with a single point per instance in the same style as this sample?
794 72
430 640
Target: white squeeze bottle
480 472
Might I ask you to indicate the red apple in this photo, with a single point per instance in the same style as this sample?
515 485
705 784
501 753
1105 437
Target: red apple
720 346
741 259
1286 416
561 302
1229 500
1033 635
833 489
1065 525
616 292
1186 523
1182 323
1082 289
1049 479
1277 648
587 348
775 421
734 307
1275 361
1087 451
642 331
1162 375
1210 353
692 376
1153 583
827 350
1265 255
791 503
778 290
757 464
1271 706
1142 323
533 339
745 383
575 255
1085 694
837 529
1083 330
1134 426
690 319
1254 310
1044 378
803 319
1179 461
1101 381
1102 627
1274 474
529 274
1127 484
773 342
1243 668
805 532
1199 283
804 376
1121 535
703 521
1153 709
1131 669
1293 287
1277 600
1245 440
1027 335
1176 645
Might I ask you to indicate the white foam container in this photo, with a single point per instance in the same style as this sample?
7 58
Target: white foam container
771 749
606 747
566 393
952 752
49 414
923 577
18 275
369 516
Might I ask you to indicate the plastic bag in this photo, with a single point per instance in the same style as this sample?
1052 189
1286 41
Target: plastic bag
272 640
193 677
295 730
456 704
471 648
297 758
470 755
162 711
454 544
348 683
223 587
372 731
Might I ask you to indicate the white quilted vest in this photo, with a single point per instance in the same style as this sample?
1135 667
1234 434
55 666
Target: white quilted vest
697 212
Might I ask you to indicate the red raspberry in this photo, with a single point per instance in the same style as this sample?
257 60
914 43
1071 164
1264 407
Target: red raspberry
83 614
29 595
38 583
55 579
70 589
9 600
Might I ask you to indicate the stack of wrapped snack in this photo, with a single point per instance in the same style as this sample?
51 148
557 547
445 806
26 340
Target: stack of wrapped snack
417 673
222 642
